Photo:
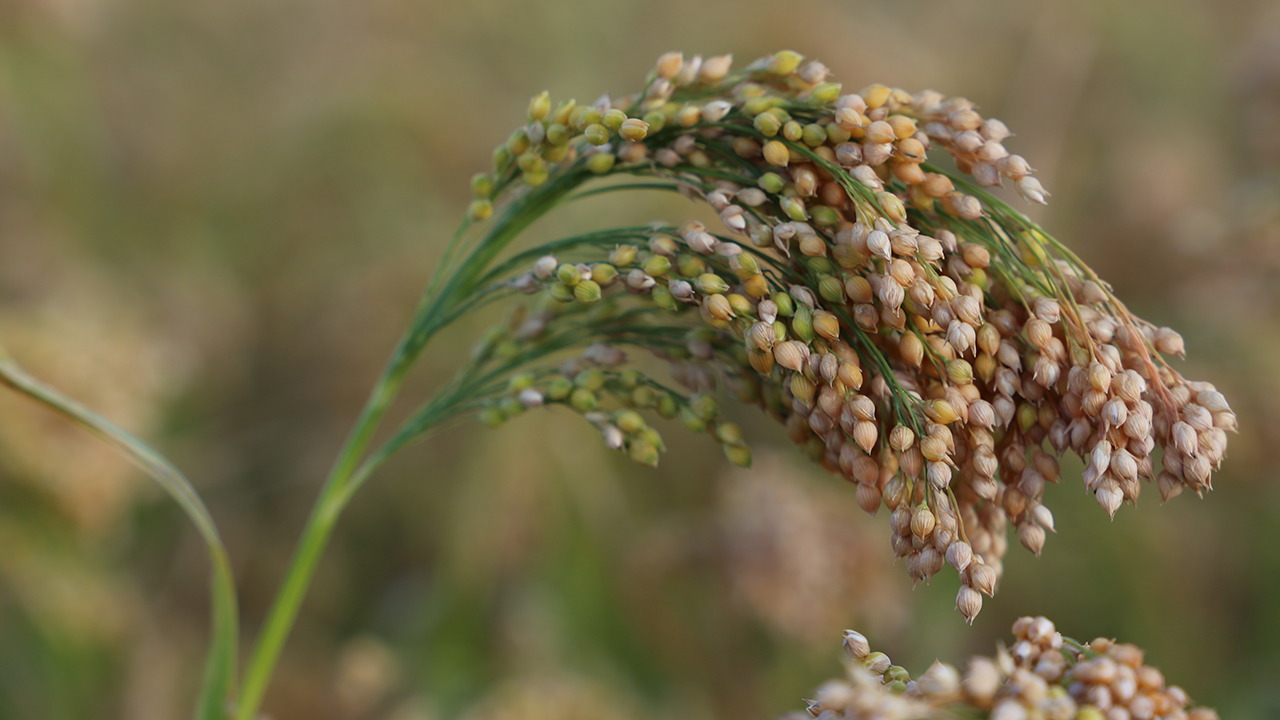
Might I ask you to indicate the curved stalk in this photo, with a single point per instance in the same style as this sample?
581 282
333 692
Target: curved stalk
439 305
218 683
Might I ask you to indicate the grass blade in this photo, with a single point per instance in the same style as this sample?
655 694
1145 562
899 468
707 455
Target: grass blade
218 680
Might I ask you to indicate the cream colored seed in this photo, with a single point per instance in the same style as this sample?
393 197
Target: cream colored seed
775 153
669 64
922 522
880 132
634 129
911 150
875 95
826 325
715 68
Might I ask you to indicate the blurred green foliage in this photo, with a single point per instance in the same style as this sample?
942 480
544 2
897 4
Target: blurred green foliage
215 218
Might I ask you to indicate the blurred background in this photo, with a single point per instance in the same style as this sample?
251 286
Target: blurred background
216 216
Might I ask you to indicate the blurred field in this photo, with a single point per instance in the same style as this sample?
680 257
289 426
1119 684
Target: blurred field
216 216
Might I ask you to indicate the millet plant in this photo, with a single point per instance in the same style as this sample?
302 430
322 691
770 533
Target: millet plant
915 334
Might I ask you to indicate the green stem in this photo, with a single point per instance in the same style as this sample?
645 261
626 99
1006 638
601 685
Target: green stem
315 537
444 295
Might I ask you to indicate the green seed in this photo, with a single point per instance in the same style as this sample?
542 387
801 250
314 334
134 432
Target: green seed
657 265
643 397
824 93
534 178
786 306
739 455
643 452
568 274
518 143
613 119
601 163
530 162
558 134
760 103
629 422
589 116
596 134
623 255
785 62
663 298
831 289
729 433
501 158
587 292
511 406
562 293
767 123
836 134
563 111
656 121
802 324
692 421
824 216
555 153
690 266
820 265
491 416
539 106
652 437
794 208
741 305
814 135
603 273
711 284
667 406
744 266
559 388
583 400
771 183
705 407
479 210
589 379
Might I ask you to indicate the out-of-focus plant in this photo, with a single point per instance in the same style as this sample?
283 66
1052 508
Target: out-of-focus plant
913 332
1043 674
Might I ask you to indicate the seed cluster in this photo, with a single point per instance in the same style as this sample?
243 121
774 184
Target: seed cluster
913 333
1042 675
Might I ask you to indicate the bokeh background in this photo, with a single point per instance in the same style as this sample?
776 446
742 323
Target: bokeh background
216 216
